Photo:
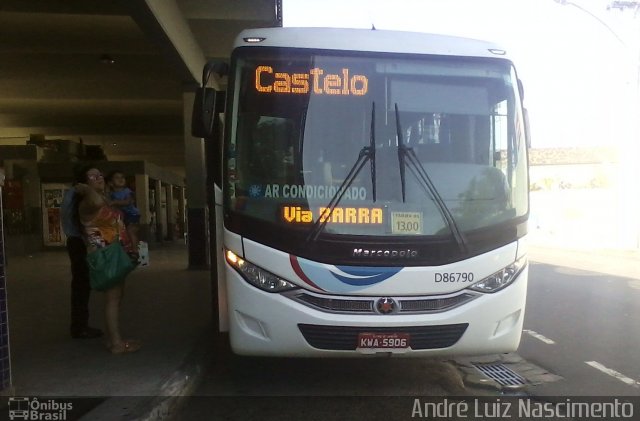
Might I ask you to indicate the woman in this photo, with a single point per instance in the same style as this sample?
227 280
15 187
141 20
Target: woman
102 225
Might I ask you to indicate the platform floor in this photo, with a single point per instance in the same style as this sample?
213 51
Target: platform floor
166 306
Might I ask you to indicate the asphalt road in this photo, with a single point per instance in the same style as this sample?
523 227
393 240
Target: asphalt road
593 320
245 388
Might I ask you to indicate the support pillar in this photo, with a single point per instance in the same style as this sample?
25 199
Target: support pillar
197 211
158 207
171 215
181 209
142 203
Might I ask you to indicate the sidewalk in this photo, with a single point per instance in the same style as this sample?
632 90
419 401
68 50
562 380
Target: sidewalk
166 306
582 229
617 262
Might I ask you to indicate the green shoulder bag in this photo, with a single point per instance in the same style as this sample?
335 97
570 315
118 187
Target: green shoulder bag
108 266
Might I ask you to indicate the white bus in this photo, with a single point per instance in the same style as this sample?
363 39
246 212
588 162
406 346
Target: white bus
372 195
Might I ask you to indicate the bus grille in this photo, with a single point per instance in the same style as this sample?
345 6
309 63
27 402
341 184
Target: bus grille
345 338
433 304
366 305
339 305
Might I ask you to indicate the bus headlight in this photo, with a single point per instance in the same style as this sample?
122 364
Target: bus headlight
501 278
257 276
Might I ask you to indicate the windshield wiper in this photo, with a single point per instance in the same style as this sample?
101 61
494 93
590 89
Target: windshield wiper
372 150
406 155
367 154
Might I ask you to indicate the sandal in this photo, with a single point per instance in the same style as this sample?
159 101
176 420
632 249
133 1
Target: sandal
126 347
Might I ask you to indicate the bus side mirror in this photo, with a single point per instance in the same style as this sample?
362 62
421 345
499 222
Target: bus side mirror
521 89
527 129
525 112
207 106
209 102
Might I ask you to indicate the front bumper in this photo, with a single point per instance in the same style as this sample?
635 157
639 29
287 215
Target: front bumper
269 324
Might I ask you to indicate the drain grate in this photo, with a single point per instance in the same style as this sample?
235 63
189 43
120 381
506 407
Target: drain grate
501 374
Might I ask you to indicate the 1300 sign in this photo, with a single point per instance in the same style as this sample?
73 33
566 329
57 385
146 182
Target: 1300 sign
454 277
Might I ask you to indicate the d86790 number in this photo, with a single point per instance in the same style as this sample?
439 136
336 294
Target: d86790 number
454 277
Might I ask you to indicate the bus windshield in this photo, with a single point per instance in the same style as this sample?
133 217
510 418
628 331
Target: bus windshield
300 119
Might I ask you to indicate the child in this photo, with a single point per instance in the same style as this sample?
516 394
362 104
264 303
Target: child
122 197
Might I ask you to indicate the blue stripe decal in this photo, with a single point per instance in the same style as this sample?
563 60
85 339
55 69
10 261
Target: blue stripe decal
344 279
360 275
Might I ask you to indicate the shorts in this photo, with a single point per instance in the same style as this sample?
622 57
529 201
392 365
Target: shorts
131 219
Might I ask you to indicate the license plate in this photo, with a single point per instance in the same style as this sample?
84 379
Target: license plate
406 223
374 342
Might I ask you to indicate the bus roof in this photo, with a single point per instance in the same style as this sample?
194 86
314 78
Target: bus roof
373 40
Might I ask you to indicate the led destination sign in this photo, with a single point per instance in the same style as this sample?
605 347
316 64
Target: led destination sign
316 81
340 215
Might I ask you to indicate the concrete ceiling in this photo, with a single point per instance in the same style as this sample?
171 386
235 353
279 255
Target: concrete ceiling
54 82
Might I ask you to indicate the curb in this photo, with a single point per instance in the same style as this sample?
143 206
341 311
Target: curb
170 395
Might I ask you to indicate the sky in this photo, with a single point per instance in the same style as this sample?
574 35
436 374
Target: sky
578 61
